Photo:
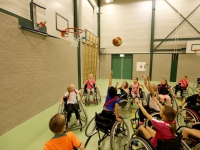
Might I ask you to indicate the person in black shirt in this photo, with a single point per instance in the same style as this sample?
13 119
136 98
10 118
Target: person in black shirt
124 91
193 102
163 90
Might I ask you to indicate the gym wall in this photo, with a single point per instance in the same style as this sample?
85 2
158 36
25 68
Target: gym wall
35 70
188 64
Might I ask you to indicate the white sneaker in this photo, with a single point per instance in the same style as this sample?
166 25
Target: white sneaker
77 122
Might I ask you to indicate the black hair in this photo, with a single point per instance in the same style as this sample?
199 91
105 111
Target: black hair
112 92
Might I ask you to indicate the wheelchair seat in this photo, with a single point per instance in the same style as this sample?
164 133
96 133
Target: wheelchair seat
173 144
103 124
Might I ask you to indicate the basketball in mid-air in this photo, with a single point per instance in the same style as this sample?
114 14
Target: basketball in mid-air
117 41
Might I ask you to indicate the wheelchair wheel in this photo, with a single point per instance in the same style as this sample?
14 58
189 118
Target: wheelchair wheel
174 104
196 86
98 97
184 146
83 115
155 115
90 128
197 147
187 93
186 118
124 108
118 139
138 143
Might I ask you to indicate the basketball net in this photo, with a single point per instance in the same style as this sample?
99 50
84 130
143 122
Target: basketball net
197 51
72 37
41 25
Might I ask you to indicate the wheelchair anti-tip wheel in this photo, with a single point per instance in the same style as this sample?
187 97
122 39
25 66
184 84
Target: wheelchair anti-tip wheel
119 137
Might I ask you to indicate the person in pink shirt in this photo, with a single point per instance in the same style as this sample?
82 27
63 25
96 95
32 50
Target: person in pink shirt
91 84
182 84
165 130
135 88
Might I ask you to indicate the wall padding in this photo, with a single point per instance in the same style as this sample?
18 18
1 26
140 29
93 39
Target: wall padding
35 70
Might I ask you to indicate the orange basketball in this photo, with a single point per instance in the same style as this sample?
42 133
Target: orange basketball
117 41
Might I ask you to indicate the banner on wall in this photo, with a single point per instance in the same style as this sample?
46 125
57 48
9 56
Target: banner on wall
141 66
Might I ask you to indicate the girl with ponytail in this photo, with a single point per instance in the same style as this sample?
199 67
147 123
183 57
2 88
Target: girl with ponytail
165 130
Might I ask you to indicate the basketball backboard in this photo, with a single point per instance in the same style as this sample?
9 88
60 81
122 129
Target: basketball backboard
192 46
59 17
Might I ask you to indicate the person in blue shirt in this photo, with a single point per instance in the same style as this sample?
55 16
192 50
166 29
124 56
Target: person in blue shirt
110 109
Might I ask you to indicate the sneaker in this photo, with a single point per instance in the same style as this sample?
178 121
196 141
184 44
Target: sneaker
88 101
77 122
141 123
135 142
95 101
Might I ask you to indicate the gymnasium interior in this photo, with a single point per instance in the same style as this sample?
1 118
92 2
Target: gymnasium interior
46 45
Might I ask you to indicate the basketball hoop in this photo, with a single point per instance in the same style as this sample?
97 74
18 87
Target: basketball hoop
73 34
197 51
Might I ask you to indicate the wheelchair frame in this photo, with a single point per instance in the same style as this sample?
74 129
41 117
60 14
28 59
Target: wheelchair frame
97 95
83 121
196 85
106 132
186 93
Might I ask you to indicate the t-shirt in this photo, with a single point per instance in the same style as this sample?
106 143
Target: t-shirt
184 83
135 87
123 94
72 97
162 131
163 89
193 102
64 141
152 103
90 83
111 106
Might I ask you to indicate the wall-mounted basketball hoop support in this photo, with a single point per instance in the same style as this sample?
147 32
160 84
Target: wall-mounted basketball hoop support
197 51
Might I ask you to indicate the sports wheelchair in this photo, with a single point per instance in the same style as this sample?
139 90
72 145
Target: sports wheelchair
196 85
186 93
187 117
141 143
82 114
96 92
99 124
194 141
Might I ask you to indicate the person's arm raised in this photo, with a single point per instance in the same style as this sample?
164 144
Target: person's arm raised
151 90
143 110
110 79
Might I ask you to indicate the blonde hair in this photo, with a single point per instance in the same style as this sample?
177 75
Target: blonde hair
165 81
69 87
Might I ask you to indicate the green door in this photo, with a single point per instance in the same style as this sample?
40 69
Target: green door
116 67
127 67
122 66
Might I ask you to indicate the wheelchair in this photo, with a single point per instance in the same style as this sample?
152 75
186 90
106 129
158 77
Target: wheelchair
194 141
96 92
99 124
196 85
187 117
186 93
141 143
82 113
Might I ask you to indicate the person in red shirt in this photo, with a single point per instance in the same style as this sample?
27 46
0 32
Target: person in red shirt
135 88
62 140
91 84
165 130
182 84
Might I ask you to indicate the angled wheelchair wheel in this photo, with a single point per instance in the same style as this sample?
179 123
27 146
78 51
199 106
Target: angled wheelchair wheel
196 86
186 118
90 128
138 143
125 108
187 93
98 97
197 147
174 104
83 115
184 146
155 115
119 138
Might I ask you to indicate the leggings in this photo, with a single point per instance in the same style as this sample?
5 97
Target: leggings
88 93
180 89
70 108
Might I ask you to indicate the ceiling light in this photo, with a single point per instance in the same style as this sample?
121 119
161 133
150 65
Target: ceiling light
108 1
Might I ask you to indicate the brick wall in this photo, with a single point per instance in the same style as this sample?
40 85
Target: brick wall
34 72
